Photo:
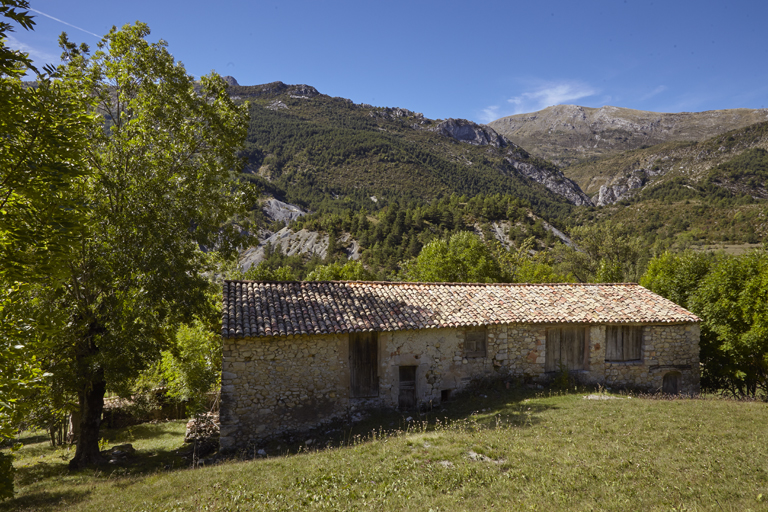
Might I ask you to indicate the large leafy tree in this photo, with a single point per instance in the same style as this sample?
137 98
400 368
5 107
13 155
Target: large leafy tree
733 301
42 139
161 158
610 252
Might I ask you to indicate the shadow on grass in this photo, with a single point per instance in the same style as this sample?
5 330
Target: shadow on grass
158 447
143 431
486 406
45 500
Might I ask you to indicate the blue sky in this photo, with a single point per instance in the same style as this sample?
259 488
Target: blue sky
473 60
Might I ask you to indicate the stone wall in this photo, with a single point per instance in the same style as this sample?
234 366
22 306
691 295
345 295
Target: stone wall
666 349
275 385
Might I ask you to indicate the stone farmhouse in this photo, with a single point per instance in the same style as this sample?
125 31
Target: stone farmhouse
298 354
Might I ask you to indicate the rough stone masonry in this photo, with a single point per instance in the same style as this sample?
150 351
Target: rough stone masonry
390 344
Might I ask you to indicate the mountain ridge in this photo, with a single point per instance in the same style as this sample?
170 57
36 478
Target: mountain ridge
303 145
571 134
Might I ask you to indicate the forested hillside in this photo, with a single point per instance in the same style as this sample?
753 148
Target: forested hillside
329 155
391 181
709 191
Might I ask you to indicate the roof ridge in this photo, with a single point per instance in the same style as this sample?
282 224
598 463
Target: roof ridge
425 283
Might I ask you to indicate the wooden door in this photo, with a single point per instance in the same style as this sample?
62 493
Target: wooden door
407 397
364 364
566 346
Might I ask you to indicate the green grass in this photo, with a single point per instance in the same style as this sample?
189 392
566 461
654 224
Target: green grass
493 449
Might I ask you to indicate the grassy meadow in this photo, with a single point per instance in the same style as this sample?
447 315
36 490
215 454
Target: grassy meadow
492 449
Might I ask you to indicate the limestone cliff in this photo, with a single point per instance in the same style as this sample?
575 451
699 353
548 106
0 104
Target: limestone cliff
479 135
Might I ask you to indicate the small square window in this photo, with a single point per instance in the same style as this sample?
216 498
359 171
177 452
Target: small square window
474 341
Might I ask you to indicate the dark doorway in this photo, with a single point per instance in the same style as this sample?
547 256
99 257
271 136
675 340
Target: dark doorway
671 383
364 364
407 398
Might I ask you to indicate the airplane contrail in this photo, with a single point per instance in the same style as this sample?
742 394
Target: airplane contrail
64 22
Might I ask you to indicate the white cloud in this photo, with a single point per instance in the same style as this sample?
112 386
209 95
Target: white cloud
39 57
549 94
543 95
489 114
660 89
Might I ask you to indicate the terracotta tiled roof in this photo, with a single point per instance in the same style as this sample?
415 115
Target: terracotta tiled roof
254 309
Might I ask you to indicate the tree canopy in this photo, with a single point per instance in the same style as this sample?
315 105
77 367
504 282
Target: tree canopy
161 156
463 258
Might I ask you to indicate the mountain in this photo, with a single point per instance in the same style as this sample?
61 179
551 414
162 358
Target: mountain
569 134
329 154
734 161
343 180
682 193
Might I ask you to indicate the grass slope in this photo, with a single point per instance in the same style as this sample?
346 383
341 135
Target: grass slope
492 449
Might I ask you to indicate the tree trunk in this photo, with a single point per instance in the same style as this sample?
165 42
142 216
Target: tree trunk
91 397
74 427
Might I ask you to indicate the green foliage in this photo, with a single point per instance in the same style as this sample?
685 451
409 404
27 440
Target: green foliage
677 276
263 272
42 139
161 187
14 63
463 258
330 155
521 266
398 231
609 252
680 189
730 294
350 271
748 170
733 301
540 269
193 368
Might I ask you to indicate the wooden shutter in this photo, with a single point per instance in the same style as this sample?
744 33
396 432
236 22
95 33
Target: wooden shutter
364 364
633 341
623 342
614 346
553 349
566 345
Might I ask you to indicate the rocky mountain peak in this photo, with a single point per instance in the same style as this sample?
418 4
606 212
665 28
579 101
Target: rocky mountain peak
230 80
568 134
275 89
472 133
